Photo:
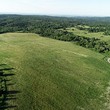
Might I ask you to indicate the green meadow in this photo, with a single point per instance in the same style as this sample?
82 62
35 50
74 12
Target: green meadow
49 74
99 35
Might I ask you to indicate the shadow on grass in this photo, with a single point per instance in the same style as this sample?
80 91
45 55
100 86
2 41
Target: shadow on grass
5 94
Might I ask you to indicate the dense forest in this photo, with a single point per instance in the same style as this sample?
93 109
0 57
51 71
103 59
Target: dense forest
55 27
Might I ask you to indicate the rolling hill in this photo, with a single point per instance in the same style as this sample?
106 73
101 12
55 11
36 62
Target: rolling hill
47 74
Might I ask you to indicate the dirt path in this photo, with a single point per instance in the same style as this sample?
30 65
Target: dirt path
79 54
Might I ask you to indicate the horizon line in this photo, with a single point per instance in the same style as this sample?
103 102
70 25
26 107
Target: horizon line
56 15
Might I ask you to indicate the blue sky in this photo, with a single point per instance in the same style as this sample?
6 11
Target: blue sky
56 7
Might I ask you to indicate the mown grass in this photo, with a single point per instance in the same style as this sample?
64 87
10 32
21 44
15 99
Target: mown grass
52 74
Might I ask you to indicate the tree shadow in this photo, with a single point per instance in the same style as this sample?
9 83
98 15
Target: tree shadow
7 107
5 94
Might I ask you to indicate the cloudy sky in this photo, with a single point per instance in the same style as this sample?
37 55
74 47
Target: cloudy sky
56 7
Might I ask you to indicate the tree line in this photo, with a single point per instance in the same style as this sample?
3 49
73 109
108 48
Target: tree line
51 27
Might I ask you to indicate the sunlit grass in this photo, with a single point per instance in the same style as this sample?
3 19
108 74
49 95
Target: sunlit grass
52 74
85 33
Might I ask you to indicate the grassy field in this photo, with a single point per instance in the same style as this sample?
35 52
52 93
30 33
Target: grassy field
49 74
85 33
